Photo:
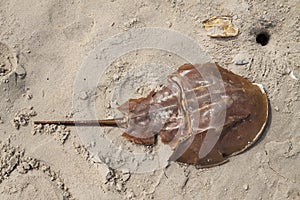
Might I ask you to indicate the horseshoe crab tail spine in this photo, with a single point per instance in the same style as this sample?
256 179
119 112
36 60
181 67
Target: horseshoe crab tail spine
105 122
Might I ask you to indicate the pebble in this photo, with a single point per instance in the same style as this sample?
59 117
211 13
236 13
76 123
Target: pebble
241 62
241 59
246 187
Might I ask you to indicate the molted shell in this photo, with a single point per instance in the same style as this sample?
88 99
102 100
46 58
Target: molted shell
206 114
220 26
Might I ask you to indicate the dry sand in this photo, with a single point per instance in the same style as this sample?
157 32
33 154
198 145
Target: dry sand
42 47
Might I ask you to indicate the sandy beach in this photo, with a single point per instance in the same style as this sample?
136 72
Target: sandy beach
63 60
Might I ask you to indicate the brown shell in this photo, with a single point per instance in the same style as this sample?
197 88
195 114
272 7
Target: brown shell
205 113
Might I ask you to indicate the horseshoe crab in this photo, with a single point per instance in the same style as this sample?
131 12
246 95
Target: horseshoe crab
205 114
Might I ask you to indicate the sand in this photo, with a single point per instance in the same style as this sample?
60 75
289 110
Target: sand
44 47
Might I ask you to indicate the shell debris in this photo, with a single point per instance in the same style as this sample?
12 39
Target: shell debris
220 27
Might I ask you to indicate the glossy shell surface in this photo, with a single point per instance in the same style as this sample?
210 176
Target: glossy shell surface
205 114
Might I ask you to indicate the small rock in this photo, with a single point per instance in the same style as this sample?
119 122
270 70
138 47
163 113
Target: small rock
241 62
246 187
241 59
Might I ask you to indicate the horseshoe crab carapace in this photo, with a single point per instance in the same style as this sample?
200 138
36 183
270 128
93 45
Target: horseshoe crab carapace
205 114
